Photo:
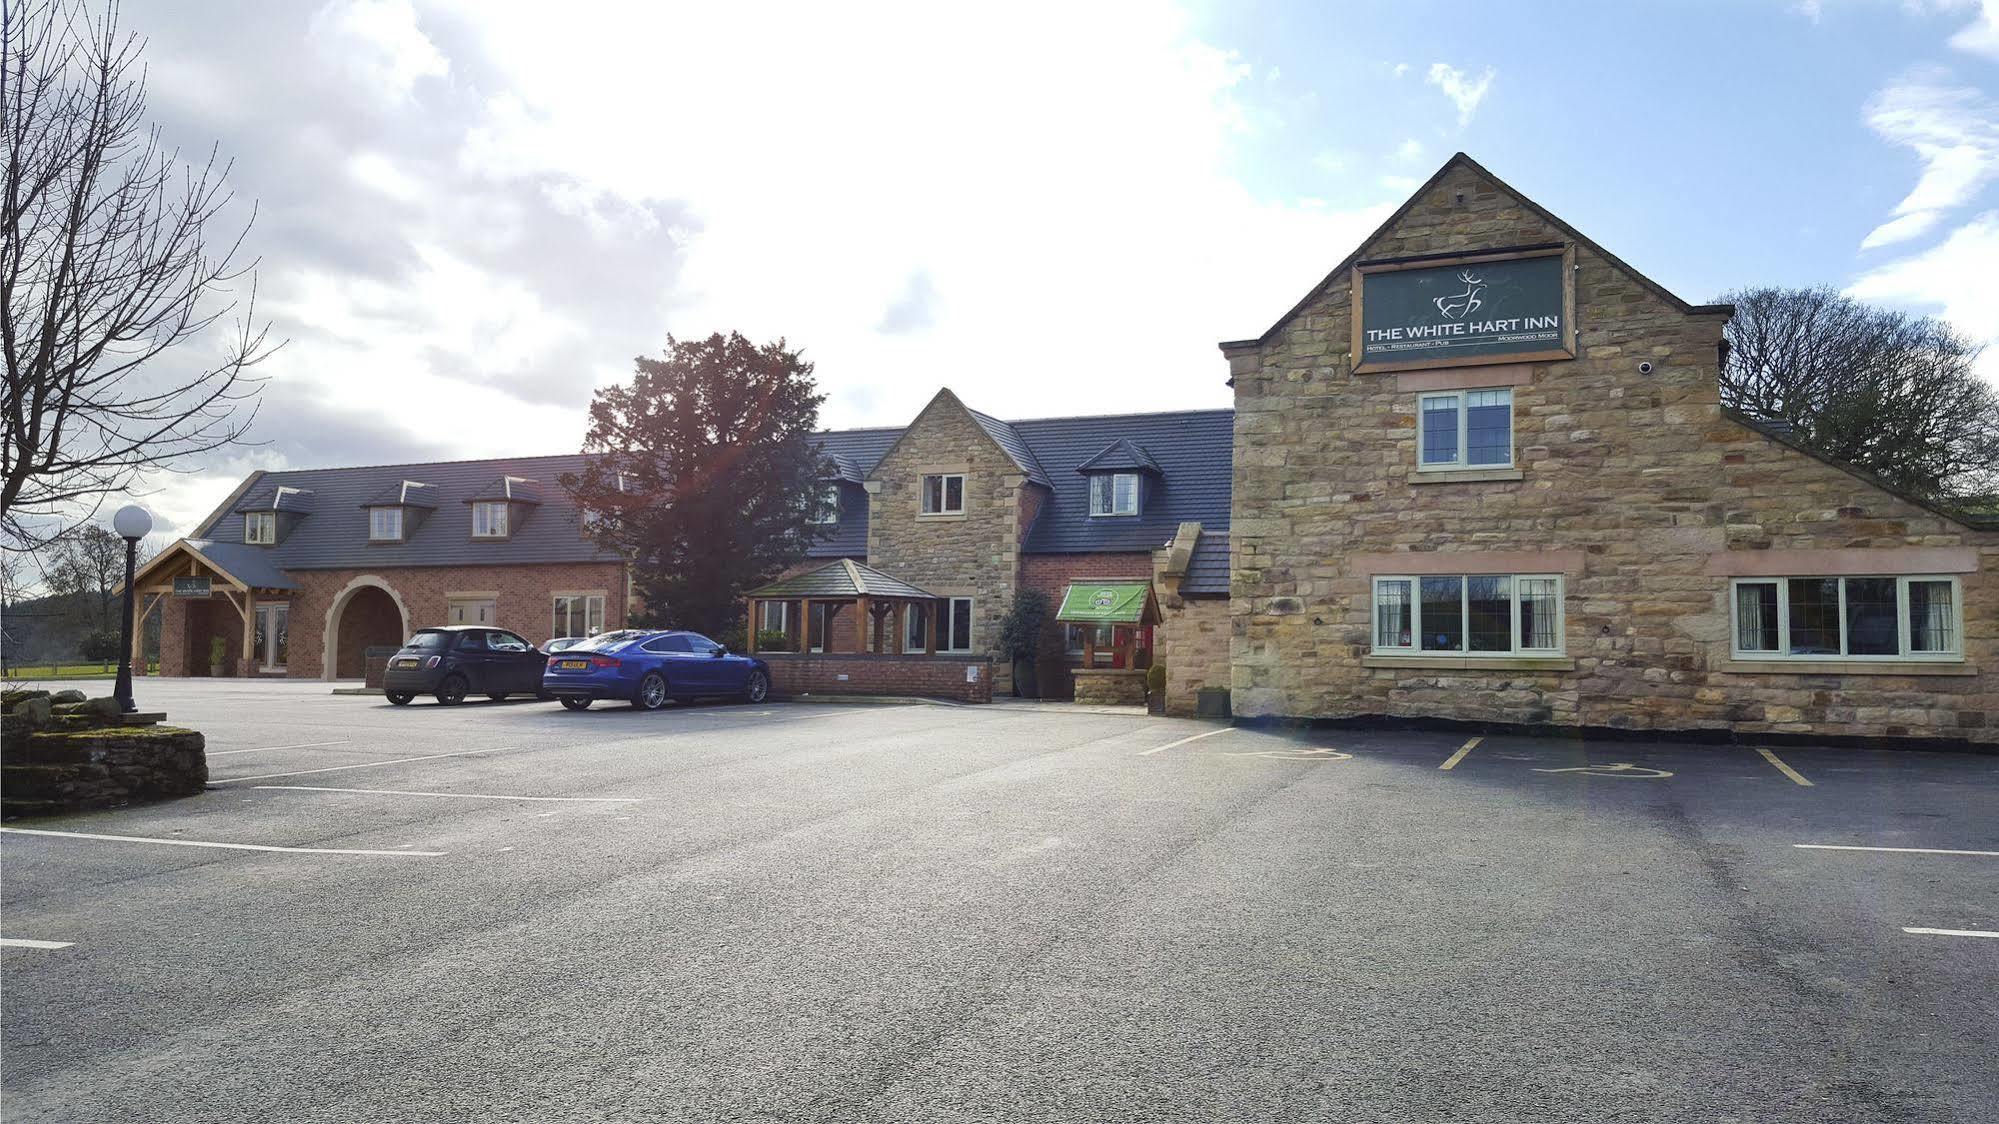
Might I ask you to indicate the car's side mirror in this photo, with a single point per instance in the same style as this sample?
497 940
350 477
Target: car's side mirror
717 652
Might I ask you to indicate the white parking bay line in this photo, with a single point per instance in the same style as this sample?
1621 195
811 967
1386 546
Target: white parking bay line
458 795
268 748
1183 741
221 846
1921 932
17 942
362 765
1894 850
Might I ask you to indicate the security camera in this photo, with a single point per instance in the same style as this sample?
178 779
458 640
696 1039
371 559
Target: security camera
1645 368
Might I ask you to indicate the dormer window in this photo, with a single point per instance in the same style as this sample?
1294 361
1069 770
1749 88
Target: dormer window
260 528
826 510
1114 493
385 524
489 520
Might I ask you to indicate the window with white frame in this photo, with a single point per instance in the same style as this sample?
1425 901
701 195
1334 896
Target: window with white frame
1114 494
260 528
1465 429
826 508
954 626
916 626
489 520
944 494
385 524
1859 618
776 616
1468 614
577 614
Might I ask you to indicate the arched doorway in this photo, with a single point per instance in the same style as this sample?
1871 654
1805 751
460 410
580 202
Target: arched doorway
366 614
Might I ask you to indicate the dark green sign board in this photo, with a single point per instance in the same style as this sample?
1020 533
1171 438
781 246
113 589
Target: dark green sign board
193 587
1498 310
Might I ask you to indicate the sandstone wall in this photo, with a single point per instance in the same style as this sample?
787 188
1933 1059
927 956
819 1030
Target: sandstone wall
1633 484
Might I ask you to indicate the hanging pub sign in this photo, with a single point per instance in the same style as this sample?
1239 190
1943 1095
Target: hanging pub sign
193 587
1504 306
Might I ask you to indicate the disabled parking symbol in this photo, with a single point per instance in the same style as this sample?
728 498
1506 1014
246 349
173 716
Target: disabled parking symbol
1614 769
1322 754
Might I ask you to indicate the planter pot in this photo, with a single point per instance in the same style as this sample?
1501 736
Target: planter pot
1025 685
215 671
1155 703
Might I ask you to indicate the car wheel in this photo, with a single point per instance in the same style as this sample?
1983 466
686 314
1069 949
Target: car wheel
497 696
451 692
399 698
652 692
572 703
758 687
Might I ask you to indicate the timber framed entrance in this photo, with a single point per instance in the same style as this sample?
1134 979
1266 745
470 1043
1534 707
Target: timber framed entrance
241 612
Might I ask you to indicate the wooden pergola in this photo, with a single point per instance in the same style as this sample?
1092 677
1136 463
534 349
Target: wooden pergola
881 602
181 569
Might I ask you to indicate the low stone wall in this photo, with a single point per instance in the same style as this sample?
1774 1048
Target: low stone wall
1110 686
62 771
958 678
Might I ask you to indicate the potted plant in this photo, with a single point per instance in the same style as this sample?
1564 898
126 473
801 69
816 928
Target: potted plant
1155 689
1020 639
217 649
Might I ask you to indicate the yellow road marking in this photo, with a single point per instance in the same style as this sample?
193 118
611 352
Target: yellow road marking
1460 754
1783 768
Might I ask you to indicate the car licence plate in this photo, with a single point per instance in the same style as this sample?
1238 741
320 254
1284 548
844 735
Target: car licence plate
573 665
406 663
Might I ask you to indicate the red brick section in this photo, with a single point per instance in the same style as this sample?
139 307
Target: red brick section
373 609
939 677
1051 574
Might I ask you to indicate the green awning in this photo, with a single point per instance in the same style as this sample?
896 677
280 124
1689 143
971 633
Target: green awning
1105 602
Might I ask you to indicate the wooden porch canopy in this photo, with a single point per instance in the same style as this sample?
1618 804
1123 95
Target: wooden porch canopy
1128 607
235 572
877 599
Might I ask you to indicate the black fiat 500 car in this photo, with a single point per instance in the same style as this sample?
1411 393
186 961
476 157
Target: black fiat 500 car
457 660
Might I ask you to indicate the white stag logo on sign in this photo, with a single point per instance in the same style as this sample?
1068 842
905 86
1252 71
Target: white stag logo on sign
1457 306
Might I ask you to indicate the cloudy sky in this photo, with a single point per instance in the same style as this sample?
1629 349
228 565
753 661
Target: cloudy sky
472 212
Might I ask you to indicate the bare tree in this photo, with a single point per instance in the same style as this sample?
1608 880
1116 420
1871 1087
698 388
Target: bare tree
106 266
1893 394
88 564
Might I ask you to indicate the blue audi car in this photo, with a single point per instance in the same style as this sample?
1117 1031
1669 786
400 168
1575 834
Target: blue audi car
646 668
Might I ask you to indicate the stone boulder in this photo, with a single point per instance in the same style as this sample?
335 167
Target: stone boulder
70 695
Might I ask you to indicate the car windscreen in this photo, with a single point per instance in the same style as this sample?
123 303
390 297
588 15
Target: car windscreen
604 640
430 641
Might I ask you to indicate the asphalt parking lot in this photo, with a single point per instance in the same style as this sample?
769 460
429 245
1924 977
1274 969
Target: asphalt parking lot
927 913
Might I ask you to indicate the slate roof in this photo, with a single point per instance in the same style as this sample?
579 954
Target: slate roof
842 577
251 565
274 497
1122 456
1208 565
404 493
517 489
335 534
1009 439
1188 449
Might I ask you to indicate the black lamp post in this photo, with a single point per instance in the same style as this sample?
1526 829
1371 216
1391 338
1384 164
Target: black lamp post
132 524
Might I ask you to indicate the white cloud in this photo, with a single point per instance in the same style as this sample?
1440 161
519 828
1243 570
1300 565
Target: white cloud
379 44
1464 91
1981 36
1400 69
1411 149
1810 9
1952 279
1954 131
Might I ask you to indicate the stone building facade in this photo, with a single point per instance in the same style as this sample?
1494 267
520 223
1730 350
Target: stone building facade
1651 534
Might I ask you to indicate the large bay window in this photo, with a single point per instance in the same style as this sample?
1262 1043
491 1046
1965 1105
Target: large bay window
1877 618
1474 614
1465 429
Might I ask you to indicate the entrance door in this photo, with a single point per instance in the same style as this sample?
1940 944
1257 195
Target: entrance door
273 622
472 611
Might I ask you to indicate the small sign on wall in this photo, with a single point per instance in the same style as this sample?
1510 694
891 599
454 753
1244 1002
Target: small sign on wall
1508 306
971 673
193 587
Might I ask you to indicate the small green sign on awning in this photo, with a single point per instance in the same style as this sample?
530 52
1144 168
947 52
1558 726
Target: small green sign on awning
1104 602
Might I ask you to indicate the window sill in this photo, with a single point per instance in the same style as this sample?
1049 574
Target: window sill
1846 667
1464 475
939 515
1472 663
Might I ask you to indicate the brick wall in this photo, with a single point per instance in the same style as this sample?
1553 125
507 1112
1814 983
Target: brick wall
380 600
1051 574
1636 480
937 677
